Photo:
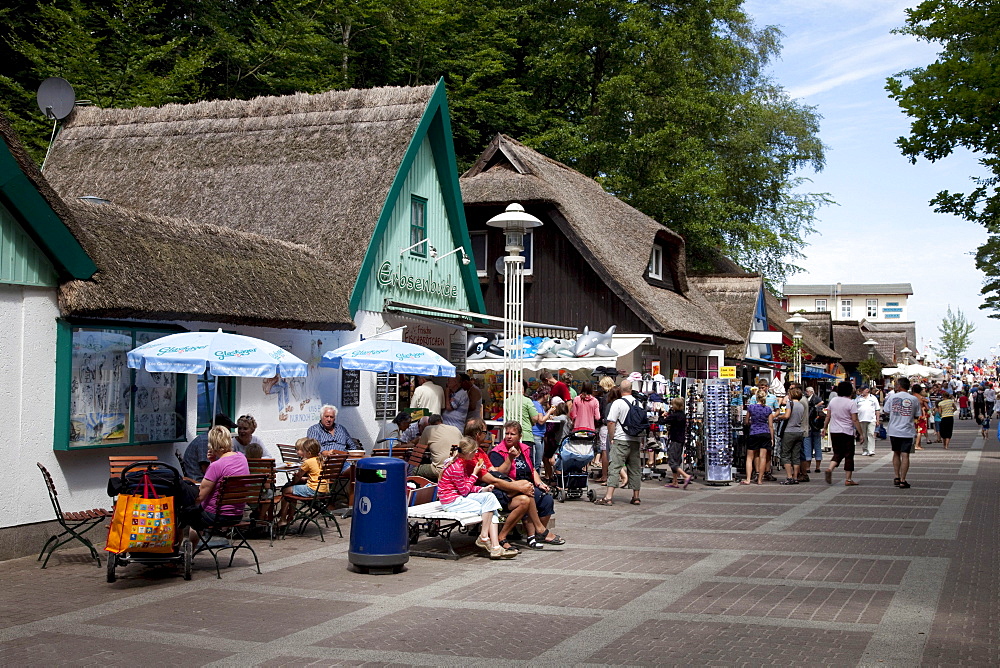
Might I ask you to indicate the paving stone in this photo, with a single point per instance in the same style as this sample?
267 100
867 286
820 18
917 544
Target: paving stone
722 644
582 591
866 527
603 562
681 521
874 512
67 649
463 632
237 615
821 569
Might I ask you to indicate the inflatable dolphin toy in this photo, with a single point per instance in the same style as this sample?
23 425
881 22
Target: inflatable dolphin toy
595 344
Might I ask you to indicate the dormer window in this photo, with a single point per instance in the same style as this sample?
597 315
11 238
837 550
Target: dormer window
656 263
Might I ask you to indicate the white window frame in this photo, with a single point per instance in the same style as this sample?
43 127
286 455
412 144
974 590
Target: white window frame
846 308
821 306
656 262
486 252
872 307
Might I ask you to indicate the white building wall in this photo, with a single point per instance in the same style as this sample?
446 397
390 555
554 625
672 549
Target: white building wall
891 308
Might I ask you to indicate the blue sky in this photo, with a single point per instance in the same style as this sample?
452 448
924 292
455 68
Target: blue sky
836 56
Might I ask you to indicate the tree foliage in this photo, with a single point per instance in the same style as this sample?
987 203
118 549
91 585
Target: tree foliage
665 103
953 104
956 336
871 370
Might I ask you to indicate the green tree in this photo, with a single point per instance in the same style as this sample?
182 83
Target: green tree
870 369
956 336
952 103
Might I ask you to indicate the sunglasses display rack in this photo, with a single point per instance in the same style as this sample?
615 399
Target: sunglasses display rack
694 443
718 432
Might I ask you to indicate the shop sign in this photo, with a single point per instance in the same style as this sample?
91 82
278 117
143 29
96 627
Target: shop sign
395 277
727 372
435 338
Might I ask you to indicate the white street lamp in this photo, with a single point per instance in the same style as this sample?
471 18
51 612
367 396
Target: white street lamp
797 321
514 222
870 344
905 352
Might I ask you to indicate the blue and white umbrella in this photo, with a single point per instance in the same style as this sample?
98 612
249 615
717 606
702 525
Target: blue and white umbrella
221 353
388 357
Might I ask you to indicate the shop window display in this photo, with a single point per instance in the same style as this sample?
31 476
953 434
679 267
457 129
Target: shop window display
110 404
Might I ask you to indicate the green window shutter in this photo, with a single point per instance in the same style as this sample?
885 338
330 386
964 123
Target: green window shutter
22 262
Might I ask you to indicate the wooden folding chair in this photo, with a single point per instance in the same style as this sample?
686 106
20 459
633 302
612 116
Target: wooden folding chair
118 463
288 454
264 510
233 490
74 524
310 509
416 457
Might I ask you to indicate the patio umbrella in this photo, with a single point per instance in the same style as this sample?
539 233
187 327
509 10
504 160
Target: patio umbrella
388 357
221 353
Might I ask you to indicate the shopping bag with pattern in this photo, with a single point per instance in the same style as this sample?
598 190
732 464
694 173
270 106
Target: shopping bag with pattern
142 522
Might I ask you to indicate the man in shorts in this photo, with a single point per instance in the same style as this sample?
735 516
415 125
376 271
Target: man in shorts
903 409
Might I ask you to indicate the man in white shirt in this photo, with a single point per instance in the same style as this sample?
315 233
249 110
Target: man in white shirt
991 398
429 396
903 409
867 415
624 449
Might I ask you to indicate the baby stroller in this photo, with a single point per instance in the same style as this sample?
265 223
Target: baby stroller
166 481
572 459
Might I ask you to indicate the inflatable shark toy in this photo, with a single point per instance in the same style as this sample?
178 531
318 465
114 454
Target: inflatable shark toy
595 344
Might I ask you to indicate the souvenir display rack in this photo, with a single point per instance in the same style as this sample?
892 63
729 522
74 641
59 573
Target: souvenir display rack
718 432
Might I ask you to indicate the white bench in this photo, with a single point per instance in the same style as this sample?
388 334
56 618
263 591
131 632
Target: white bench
431 519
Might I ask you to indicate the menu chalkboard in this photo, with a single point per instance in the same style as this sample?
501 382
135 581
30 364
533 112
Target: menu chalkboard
350 387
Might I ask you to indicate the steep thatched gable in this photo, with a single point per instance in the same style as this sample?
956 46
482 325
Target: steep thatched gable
312 170
614 237
157 268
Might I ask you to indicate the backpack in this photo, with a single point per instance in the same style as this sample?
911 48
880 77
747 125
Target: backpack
636 423
817 418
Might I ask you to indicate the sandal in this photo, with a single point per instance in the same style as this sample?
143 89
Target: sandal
556 539
687 482
505 544
637 502
672 485
744 482
533 542
851 483
603 502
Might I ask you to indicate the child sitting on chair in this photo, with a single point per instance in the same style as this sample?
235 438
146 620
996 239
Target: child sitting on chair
455 492
305 482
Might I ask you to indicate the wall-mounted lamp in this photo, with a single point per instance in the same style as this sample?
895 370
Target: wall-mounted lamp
433 251
460 249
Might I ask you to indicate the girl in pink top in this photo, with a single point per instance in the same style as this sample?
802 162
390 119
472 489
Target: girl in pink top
455 492
586 411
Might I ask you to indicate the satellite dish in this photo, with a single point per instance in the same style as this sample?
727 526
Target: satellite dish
56 98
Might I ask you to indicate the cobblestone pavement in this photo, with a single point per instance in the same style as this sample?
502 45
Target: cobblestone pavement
810 574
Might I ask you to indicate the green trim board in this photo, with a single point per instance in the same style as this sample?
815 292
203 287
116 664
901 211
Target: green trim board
22 262
435 127
40 221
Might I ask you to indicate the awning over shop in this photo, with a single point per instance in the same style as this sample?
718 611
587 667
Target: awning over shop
769 363
623 344
475 319
818 373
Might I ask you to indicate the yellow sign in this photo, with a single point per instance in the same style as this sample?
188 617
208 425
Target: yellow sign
727 372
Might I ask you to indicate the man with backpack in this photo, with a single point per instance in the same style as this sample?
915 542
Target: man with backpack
627 427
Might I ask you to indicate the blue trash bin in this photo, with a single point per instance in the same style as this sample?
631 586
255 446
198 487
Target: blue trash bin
379 536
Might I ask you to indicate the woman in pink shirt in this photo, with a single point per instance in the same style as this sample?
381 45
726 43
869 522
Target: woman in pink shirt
455 492
586 411
224 462
842 423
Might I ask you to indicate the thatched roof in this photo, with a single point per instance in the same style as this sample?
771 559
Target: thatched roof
312 170
820 325
735 296
158 268
614 237
892 337
777 316
735 299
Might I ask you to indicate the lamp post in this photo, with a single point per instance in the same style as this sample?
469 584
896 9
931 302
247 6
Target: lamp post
870 344
514 221
797 321
906 355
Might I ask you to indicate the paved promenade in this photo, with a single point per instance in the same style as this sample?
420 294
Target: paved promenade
810 574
